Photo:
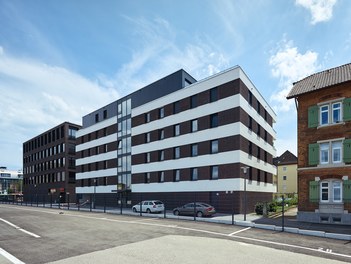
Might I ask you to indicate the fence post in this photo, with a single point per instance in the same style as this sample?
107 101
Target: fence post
283 203
120 198
105 203
90 202
233 209
68 201
194 206
141 205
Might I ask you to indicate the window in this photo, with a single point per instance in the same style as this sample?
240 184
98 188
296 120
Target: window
284 178
194 175
105 114
161 113
324 115
194 148
96 118
330 113
161 176
214 172
177 152
176 130
177 175
214 120
147 177
324 153
258 107
161 134
250 148
176 107
336 191
336 112
147 137
250 98
147 118
336 151
147 157
194 127
284 168
213 94
193 101
258 130
214 146
331 191
250 122
161 155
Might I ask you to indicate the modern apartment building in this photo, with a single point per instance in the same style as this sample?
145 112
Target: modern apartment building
105 143
194 143
323 103
179 139
286 178
49 165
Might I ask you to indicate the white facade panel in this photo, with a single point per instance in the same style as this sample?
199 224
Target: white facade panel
97 158
96 174
97 142
228 157
203 85
224 185
100 125
205 110
98 189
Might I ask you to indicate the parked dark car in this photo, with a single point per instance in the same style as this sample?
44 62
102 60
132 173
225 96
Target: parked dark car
202 209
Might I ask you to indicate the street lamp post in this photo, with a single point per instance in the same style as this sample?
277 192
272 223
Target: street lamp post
245 201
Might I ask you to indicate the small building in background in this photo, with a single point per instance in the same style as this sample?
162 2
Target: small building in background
10 181
49 168
286 177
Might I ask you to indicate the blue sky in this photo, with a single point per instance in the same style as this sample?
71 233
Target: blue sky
60 60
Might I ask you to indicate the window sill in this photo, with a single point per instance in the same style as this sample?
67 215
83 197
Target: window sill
330 125
336 165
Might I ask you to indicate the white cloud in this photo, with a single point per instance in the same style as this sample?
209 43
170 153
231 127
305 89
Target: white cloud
156 55
36 97
321 10
289 65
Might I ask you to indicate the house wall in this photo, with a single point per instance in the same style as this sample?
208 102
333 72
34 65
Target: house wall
290 184
306 136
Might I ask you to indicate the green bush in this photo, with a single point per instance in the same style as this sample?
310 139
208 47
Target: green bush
271 207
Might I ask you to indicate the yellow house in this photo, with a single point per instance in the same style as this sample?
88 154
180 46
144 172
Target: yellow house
286 178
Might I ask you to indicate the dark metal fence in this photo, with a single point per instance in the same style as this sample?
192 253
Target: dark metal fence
223 209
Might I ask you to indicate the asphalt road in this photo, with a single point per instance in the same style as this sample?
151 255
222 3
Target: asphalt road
42 235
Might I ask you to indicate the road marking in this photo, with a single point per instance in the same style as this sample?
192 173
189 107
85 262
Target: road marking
239 231
10 257
20 229
198 230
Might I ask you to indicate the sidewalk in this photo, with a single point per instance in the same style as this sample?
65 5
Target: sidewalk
291 225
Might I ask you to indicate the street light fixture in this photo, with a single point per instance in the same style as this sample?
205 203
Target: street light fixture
245 169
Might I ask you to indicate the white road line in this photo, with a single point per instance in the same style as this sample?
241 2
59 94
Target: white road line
29 233
10 257
239 231
201 231
20 229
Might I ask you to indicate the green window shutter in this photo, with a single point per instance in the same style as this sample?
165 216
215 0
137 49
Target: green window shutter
347 150
313 116
314 191
347 109
313 154
347 190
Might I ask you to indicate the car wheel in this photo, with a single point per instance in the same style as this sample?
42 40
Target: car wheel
199 214
148 210
176 212
134 210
